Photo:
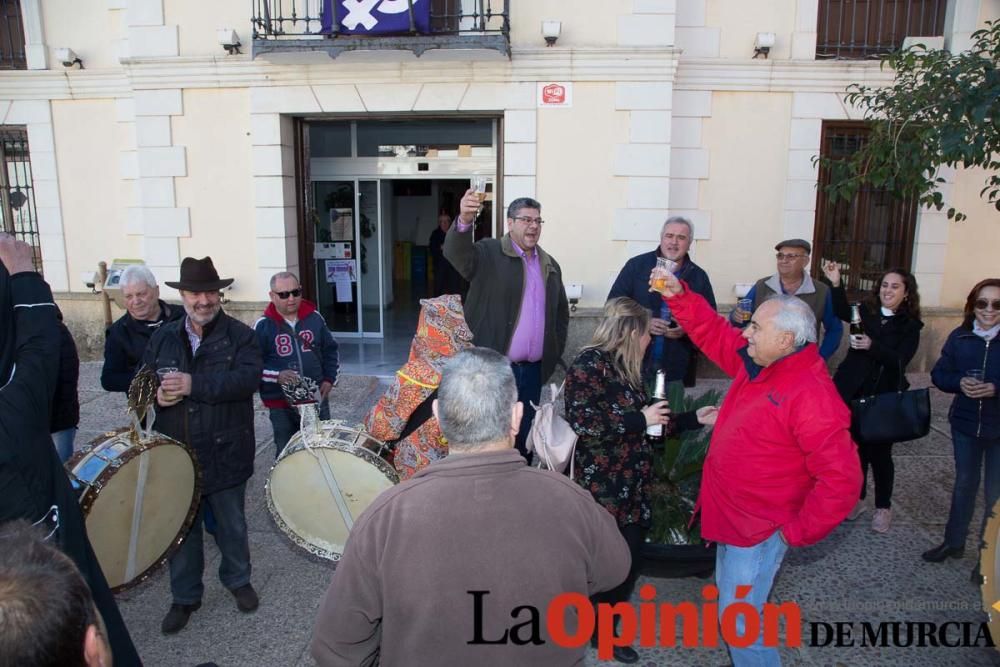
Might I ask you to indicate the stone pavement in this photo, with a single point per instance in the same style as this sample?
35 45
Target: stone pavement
854 575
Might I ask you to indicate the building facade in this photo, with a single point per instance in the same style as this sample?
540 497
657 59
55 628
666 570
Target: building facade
333 155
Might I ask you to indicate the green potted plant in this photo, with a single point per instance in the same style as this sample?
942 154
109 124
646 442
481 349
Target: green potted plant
673 545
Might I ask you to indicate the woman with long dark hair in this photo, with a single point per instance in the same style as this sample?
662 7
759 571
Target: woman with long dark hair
606 406
969 367
876 363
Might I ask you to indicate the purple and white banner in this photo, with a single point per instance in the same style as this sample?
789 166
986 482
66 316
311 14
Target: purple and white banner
377 17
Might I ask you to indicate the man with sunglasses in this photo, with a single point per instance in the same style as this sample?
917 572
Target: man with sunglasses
793 278
517 303
294 340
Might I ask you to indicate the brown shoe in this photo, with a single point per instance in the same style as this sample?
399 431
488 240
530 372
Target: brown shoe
246 598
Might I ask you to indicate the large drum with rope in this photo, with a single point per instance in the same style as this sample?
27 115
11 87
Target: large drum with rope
325 477
139 496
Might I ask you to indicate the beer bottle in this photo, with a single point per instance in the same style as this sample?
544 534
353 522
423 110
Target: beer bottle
654 432
857 329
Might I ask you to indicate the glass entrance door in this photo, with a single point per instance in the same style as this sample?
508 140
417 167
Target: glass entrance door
346 254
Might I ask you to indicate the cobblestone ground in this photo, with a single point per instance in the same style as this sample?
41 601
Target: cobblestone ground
853 576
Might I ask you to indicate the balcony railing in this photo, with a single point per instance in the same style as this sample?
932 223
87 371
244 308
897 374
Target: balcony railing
336 26
858 29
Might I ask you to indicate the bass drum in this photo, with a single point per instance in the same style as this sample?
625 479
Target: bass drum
319 486
989 568
139 500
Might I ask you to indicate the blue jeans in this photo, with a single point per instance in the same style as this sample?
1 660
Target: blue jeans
63 440
969 454
753 566
188 562
285 424
528 376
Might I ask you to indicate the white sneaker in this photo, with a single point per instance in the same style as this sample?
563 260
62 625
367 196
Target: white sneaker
881 520
858 510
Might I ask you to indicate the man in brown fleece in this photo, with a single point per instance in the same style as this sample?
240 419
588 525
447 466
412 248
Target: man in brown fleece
458 565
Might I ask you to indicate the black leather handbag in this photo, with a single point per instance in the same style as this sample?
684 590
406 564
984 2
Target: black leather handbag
895 416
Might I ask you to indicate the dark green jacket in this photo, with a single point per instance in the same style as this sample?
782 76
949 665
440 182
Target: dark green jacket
496 286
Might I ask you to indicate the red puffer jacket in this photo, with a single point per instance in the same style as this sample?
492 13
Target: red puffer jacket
781 455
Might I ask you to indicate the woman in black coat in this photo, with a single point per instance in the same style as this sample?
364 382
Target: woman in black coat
876 363
32 479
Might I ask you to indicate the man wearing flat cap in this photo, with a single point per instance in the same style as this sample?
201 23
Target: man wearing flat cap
793 278
206 401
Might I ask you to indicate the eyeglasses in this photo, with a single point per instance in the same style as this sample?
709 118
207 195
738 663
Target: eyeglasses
781 256
981 304
529 221
292 292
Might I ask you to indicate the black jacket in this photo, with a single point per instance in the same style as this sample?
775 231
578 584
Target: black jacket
962 352
876 370
32 478
496 275
66 400
124 344
680 357
216 420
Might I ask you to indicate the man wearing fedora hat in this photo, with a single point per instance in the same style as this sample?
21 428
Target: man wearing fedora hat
206 401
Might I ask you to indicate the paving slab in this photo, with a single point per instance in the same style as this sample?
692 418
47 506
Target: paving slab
853 576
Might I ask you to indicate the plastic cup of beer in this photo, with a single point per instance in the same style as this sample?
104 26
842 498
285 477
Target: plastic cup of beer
976 374
745 307
660 271
165 371
162 373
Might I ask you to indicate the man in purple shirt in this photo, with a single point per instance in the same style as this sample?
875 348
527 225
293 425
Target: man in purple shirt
516 304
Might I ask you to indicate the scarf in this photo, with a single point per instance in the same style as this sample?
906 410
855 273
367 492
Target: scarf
985 334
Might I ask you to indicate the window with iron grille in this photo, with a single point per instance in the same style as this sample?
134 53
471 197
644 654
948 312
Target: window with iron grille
871 233
11 36
858 29
18 215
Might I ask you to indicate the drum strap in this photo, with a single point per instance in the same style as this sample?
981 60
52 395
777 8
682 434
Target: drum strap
140 492
418 417
331 482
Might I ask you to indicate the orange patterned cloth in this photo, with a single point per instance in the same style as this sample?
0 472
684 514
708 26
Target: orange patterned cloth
441 333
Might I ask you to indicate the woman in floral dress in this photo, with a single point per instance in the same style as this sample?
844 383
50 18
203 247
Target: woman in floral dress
606 406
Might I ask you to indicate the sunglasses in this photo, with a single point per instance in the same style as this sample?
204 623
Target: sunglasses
981 304
292 292
782 256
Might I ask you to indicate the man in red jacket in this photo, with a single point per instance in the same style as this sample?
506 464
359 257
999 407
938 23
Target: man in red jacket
781 467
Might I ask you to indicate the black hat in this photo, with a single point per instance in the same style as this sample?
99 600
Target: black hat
199 275
789 243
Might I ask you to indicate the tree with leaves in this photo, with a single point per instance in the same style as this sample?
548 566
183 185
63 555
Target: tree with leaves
941 109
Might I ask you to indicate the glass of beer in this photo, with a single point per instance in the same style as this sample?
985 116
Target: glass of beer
478 185
745 308
658 279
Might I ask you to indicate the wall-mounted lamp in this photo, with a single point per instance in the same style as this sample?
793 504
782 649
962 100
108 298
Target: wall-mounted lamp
68 58
574 292
550 31
229 40
762 44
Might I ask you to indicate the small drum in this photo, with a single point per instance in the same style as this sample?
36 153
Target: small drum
319 486
138 498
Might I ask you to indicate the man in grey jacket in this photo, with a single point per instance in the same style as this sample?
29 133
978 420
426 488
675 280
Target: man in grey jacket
445 568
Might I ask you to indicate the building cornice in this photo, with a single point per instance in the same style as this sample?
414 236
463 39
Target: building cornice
610 64
792 76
